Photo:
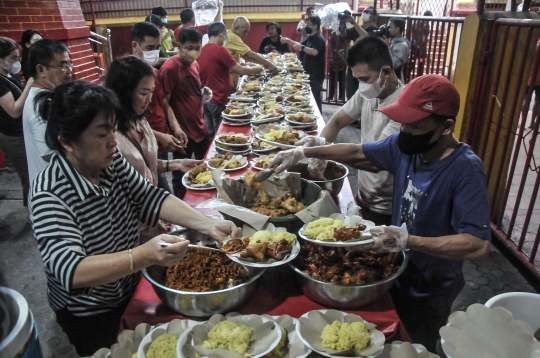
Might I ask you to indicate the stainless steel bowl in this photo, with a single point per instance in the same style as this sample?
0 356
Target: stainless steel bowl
202 304
345 296
333 186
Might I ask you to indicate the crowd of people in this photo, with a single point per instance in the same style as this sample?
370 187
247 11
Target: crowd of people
92 158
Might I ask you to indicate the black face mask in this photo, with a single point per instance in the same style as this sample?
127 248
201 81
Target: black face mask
308 30
411 144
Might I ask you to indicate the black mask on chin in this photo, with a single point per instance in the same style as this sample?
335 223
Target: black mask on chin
308 30
411 144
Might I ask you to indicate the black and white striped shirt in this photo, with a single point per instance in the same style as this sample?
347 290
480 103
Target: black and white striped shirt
73 219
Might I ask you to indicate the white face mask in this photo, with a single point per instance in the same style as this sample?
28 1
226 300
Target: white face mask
164 20
151 57
11 67
371 90
365 17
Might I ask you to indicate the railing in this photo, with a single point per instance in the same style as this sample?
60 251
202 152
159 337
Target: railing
504 137
102 52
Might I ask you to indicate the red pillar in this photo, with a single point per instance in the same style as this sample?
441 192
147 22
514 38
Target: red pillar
59 20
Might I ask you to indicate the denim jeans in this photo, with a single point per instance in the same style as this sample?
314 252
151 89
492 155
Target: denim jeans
212 117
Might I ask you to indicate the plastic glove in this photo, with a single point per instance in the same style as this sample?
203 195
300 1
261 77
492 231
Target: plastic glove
311 141
286 159
389 238
206 94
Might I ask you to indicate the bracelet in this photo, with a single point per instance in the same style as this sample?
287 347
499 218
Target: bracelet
167 166
131 261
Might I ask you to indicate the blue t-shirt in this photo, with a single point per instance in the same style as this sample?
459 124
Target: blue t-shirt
446 197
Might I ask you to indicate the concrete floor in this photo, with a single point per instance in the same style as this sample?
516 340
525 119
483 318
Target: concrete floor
21 267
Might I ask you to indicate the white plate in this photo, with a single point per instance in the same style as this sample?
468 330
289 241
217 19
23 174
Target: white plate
228 169
240 152
302 123
296 342
266 120
239 120
263 151
295 251
278 144
209 186
255 160
250 140
236 124
243 115
365 234
244 105
242 99
147 340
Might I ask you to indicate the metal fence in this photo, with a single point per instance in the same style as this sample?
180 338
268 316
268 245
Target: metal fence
102 48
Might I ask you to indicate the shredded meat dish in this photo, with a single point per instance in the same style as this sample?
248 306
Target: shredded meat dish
336 265
204 270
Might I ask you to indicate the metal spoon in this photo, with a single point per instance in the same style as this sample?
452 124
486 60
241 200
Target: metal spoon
264 174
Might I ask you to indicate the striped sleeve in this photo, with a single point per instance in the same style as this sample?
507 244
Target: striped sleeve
147 198
59 239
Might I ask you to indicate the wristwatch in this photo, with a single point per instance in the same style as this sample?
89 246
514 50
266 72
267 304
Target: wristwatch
302 48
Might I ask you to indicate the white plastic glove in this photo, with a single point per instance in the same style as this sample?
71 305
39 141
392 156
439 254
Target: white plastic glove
389 238
286 159
311 141
206 94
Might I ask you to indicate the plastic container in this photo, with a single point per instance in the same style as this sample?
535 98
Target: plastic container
18 331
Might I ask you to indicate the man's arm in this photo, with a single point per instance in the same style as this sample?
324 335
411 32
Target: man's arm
254 57
359 29
244 70
351 154
298 46
454 247
338 121
399 54
173 123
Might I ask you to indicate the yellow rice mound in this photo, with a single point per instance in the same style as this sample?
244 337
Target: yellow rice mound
204 177
344 336
163 346
323 229
231 336
270 237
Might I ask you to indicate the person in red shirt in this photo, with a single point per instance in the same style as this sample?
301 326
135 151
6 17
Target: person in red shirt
215 65
187 16
183 90
145 43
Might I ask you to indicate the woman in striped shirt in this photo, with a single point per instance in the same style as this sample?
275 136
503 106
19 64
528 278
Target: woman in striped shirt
85 208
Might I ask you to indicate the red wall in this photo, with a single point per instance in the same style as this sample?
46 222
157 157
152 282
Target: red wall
60 20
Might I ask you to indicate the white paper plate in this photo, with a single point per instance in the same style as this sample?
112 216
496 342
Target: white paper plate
250 140
297 343
160 330
295 251
209 186
298 331
365 235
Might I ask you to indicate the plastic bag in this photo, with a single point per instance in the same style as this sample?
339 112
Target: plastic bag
205 11
329 15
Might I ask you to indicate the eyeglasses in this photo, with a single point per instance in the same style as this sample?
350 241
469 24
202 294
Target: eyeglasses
64 67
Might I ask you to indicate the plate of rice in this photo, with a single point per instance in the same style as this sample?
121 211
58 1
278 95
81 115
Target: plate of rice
230 336
161 341
337 334
338 230
290 345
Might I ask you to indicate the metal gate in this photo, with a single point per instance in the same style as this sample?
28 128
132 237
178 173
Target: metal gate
504 136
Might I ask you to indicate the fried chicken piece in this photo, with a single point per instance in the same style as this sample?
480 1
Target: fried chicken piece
251 182
196 171
349 233
232 246
279 250
216 162
255 251
292 205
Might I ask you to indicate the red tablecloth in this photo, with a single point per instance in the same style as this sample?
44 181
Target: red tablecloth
277 291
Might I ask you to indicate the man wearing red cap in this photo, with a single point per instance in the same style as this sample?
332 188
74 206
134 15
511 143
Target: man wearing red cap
441 209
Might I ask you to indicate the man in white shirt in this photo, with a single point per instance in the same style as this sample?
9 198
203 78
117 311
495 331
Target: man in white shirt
371 64
50 66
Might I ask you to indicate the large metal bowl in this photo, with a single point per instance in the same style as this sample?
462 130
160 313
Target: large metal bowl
345 296
202 304
334 185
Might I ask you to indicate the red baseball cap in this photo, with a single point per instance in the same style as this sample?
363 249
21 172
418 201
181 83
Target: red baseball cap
423 96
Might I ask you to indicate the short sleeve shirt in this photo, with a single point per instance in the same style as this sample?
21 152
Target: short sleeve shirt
215 63
167 44
446 197
203 29
315 66
74 219
8 125
34 136
375 190
184 85
237 48
157 118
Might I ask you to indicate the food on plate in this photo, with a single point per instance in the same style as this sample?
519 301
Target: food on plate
231 336
284 205
274 111
236 104
234 138
264 163
299 76
299 109
285 136
270 103
251 86
302 118
231 148
200 174
257 144
326 229
271 90
279 351
227 161
203 270
264 244
235 111
163 346
337 265
263 116
246 93
297 99
344 336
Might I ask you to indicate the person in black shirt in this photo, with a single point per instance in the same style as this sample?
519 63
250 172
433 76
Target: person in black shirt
313 56
28 38
272 42
13 94
368 27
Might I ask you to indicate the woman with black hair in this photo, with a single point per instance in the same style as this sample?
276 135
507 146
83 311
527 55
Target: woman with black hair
272 42
28 38
85 207
132 80
13 94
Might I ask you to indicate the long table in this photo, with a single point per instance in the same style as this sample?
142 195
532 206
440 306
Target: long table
277 292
